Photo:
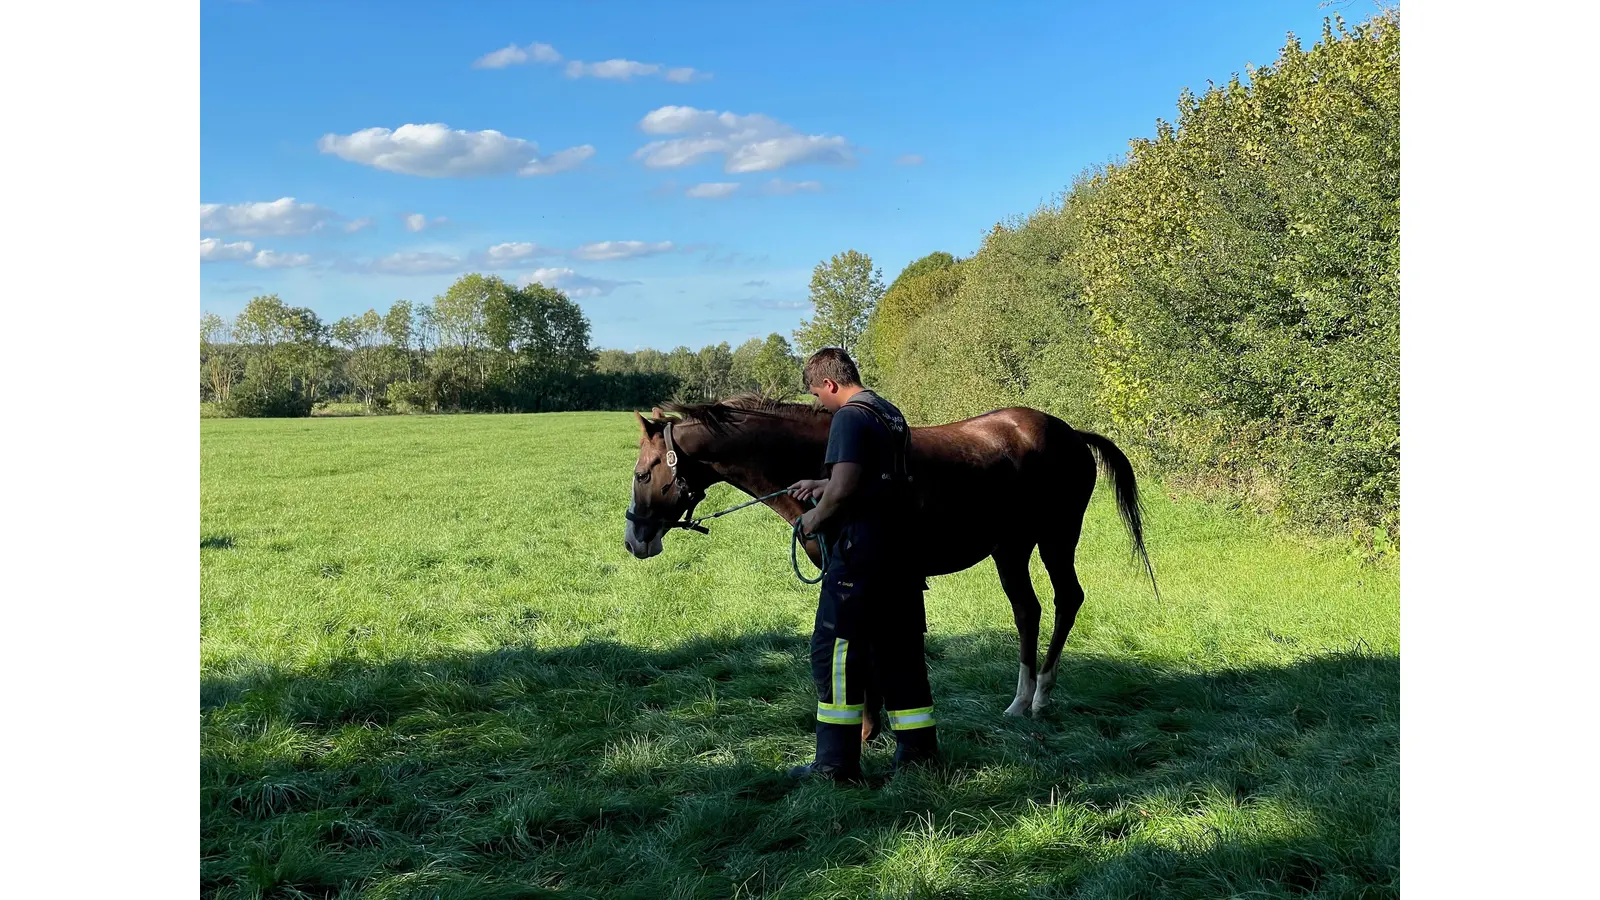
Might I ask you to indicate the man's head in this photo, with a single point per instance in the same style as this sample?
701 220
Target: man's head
832 377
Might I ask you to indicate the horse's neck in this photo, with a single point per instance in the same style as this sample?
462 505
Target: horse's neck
767 457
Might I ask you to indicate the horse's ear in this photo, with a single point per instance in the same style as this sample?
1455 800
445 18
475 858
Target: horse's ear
644 424
656 412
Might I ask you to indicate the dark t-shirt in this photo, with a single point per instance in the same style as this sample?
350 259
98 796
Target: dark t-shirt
873 521
856 436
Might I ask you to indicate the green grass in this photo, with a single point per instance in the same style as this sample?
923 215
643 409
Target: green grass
429 669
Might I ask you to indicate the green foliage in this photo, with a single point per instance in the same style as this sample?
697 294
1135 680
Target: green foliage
1004 328
428 668
843 292
926 285
1242 269
776 371
1225 302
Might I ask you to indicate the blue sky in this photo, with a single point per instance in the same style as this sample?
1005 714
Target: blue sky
677 168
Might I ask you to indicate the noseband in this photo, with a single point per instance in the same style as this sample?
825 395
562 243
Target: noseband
685 519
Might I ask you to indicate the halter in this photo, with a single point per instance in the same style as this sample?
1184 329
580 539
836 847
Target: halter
685 519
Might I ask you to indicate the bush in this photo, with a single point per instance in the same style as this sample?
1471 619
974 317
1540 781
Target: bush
1224 302
253 399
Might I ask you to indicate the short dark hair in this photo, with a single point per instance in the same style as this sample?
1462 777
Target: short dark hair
833 364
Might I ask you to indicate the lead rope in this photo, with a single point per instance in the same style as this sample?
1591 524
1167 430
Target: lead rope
794 544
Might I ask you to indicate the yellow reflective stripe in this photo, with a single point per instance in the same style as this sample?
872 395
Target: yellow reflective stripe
840 648
907 719
840 713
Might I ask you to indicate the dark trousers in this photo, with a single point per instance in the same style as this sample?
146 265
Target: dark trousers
869 640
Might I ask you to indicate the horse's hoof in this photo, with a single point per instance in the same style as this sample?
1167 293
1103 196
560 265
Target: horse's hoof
1018 707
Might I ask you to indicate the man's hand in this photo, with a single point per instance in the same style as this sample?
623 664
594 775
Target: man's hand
808 489
808 521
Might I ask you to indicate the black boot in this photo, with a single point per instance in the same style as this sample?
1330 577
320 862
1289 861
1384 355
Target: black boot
915 746
838 754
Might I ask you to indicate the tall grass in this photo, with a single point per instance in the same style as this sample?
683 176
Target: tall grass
429 669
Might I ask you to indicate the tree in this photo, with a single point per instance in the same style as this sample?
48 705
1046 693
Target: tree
741 374
364 366
218 361
399 333
547 330
684 366
309 356
716 371
925 285
844 291
614 362
273 338
776 371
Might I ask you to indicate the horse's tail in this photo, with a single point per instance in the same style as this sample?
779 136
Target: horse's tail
1116 464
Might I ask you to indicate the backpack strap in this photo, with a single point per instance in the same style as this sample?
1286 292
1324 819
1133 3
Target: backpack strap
896 426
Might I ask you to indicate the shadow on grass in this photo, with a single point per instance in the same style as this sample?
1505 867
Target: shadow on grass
608 770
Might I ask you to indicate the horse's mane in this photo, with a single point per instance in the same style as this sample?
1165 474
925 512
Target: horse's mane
723 415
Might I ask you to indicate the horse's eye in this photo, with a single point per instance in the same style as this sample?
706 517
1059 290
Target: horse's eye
641 476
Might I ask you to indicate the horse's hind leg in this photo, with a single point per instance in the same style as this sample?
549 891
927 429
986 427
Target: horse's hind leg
1058 552
1012 564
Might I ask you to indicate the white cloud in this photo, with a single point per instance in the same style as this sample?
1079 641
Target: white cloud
779 186
611 69
214 250
435 150
268 259
748 143
560 161
712 190
909 159
357 225
279 217
571 283
609 250
510 254
629 69
516 56
417 221
425 262
499 59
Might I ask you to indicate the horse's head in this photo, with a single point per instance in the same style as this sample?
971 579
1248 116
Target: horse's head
662 488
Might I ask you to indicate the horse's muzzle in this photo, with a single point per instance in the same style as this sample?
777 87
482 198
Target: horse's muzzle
643 536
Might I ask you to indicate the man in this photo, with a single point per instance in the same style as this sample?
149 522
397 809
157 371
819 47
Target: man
870 619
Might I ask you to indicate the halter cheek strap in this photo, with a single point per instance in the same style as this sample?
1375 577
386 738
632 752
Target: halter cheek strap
694 497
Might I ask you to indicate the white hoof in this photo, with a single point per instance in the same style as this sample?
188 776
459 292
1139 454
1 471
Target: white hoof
1025 687
1041 694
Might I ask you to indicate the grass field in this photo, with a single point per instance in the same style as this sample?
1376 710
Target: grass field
429 669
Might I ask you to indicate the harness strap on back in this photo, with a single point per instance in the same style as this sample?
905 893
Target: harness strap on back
896 426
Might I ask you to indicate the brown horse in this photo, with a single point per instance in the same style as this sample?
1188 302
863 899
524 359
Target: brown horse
995 485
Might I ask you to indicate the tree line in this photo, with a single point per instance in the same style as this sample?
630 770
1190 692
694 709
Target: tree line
1225 300
484 345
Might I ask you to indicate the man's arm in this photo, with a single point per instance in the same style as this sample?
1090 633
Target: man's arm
838 489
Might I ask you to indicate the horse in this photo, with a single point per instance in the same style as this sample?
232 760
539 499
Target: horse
995 485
